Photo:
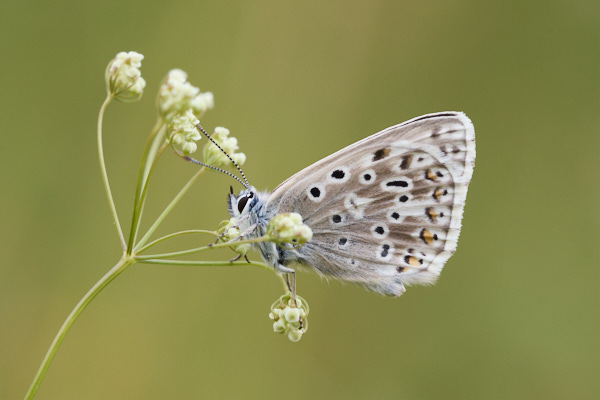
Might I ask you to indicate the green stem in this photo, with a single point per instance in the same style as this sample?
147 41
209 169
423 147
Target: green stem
148 155
154 144
143 172
139 203
109 196
200 249
168 209
206 263
172 235
66 326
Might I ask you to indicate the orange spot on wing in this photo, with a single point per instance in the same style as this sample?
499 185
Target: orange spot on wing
431 214
429 174
414 261
380 154
427 236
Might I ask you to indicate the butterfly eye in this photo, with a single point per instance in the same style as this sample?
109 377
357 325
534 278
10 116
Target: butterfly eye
243 201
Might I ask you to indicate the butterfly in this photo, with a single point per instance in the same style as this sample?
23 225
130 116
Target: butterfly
385 212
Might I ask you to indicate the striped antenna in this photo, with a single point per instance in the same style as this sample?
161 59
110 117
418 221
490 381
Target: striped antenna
246 184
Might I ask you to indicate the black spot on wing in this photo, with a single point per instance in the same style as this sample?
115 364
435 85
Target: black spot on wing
338 174
397 184
385 250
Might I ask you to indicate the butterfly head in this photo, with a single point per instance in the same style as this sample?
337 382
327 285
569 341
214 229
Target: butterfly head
242 203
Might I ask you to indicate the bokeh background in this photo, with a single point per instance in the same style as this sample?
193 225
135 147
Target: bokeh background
516 311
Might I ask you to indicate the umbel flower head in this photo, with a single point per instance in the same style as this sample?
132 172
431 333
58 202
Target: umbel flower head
229 231
288 228
289 316
124 78
176 95
215 157
183 133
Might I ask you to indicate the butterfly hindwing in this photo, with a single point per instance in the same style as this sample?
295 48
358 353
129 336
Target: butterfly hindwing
387 210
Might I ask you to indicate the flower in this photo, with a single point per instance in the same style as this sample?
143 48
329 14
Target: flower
288 228
229 231
203 102
123 76
183 133
289 316
176 96
215 157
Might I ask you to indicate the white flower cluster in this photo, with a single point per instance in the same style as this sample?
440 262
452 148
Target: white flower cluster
176 95
289 228
289 316
183 132
230 231
123 76
215 157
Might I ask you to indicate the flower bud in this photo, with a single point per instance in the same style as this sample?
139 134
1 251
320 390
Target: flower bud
183 133
176 95
230 231
295 335
279 326
289 228
123 76
215 157
290 316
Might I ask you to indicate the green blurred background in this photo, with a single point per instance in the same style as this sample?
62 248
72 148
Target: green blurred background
516 311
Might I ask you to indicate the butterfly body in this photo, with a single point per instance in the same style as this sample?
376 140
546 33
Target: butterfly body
385 211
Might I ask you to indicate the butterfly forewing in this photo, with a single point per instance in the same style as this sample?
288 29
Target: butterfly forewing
387 210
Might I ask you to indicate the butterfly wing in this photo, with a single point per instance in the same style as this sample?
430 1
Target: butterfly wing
385 211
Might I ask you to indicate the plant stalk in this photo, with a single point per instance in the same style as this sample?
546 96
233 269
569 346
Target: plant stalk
109 197
66 326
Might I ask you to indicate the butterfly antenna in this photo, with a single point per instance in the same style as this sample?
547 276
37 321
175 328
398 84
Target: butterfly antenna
246 184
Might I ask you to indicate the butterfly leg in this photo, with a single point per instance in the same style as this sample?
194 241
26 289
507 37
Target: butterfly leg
218 239
236 258
291 285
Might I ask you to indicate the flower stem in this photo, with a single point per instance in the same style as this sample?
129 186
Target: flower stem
66 326
202 248
109 197
141 199
206 263
145 162
149 153
176 234
168 209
